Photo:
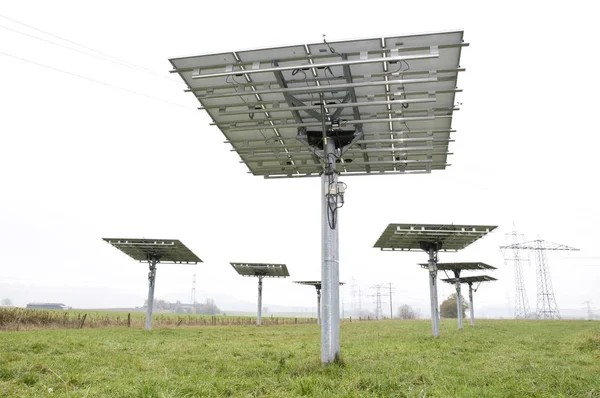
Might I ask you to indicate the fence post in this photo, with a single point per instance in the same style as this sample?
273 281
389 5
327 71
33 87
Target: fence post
129 320
82 321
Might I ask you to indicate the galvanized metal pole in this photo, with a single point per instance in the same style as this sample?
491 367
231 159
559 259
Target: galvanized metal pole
330 322
433 296
259 317
471 304
459 306
151 281
318 306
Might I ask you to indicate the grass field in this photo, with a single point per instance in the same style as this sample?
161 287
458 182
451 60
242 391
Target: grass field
383 359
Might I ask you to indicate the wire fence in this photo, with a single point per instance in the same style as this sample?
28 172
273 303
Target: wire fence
20 319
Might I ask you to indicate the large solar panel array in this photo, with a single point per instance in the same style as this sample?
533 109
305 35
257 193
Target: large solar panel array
408 237
471 266
261 269
165 250
471 279
389 100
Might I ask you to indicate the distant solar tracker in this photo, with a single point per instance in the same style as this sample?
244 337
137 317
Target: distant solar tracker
261 270
154 251
432 238
470 280
356 107
165 250
447 237
317 285
456 268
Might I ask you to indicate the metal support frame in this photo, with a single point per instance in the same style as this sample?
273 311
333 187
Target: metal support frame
471 310
152 261
459 301
259 314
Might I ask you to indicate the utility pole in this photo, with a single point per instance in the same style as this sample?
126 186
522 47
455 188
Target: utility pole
391 289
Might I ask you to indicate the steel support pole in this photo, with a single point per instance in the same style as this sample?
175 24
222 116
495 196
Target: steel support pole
330 279
472 312
151 281
259 316
433 295
459 301
318 306
459 306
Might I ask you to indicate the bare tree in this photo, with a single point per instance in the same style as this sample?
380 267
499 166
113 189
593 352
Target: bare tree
405 311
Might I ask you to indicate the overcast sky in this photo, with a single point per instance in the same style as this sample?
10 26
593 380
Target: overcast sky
96 146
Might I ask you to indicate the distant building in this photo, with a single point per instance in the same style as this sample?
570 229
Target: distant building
48 306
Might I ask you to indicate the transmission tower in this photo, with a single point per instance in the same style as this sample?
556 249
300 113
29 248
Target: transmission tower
353 293
193 298
521 302
589 310
377 302
359 302
546 307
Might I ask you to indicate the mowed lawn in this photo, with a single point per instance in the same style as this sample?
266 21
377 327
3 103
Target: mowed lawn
383 359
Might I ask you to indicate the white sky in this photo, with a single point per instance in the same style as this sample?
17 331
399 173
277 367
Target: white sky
80 160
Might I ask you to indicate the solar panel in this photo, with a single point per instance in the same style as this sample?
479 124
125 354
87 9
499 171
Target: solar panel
472 266
165 250
471 279
387 102
409 237
261 269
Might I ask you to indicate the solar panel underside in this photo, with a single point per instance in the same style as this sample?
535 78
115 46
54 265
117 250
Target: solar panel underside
471 279
166 250
394 97
261 269
408 237
472 266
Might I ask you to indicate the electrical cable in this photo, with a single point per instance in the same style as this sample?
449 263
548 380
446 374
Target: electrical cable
121 61
97 81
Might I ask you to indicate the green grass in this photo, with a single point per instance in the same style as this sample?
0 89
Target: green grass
380 359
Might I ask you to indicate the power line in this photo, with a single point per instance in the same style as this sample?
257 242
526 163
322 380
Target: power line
105 56
97 81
